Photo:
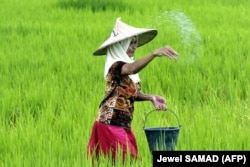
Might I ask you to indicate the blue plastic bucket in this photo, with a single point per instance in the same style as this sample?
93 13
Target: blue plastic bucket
162 138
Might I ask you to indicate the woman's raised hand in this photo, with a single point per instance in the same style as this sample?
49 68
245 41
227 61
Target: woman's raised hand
166 51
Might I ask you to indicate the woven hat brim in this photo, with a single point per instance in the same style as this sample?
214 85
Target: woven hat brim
145 36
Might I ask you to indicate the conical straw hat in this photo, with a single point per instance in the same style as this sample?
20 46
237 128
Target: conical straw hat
122 31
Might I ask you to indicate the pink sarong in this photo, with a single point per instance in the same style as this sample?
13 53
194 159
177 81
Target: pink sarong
106 139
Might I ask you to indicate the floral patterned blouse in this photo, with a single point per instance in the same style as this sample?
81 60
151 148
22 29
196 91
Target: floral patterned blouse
117 106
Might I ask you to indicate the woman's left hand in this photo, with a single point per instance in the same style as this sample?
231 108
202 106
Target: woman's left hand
159 102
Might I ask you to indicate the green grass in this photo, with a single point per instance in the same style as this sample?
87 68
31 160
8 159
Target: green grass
51 85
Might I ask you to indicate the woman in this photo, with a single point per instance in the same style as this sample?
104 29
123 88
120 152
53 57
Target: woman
112 129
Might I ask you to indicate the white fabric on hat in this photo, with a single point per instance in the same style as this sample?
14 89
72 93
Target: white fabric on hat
117 52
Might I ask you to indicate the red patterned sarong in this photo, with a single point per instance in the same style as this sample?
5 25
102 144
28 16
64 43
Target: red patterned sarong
107 139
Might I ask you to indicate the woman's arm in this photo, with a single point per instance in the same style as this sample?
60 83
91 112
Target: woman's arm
143 97
158 101
135 67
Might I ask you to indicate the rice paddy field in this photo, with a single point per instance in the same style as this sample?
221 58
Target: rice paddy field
51 84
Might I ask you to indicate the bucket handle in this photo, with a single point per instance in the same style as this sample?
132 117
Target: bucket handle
146 115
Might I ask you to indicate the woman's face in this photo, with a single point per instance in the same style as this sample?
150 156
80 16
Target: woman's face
132 47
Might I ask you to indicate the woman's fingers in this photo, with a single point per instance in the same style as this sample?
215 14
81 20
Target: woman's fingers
161 107
171 53
159 103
